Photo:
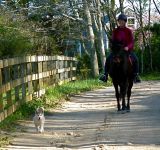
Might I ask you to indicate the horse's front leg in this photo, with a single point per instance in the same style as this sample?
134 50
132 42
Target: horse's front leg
123 103
129 95
123 93
117 94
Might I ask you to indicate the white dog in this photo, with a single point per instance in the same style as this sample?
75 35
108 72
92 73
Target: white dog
39 119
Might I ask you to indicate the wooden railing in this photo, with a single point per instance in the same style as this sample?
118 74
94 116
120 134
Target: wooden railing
21 78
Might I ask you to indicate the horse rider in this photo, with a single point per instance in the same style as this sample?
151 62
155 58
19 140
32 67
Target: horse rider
123 35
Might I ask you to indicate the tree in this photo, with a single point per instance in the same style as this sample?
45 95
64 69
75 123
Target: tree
155 44
97 20
121 6
14 39
93 54
140 9
155 4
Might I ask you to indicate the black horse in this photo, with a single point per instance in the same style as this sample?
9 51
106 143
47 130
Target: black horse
121 72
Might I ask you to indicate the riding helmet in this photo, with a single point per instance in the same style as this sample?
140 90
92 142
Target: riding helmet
122 17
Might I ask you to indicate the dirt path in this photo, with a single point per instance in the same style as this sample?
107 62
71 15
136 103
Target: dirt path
90 122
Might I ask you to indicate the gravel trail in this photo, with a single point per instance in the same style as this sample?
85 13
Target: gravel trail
90 121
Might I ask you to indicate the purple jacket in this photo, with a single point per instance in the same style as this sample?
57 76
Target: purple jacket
125 36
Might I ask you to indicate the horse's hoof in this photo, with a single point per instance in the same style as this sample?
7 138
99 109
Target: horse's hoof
118 110
123 111
128 110
124 108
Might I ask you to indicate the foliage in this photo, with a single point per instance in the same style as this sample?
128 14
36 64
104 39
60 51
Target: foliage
14 40
155 47
83 66
4 140
30 31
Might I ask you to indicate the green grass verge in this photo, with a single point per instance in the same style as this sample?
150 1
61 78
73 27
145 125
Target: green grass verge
151 76
71 88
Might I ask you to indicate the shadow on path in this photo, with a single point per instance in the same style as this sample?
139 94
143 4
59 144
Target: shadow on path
90 120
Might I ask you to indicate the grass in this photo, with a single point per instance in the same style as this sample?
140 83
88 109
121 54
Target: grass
4 140
151 76
65 90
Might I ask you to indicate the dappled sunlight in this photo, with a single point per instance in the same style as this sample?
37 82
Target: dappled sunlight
91 119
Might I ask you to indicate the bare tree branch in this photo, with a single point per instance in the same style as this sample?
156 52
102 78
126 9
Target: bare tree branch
156 6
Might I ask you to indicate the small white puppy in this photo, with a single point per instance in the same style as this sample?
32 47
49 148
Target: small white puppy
39 119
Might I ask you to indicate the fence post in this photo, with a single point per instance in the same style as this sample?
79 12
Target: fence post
29 73
8 87
23 73
1 100
7 80
16 76
71 67
40 75
57 70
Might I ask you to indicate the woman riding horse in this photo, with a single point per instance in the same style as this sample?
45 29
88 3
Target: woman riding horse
122 63
121 72
123 35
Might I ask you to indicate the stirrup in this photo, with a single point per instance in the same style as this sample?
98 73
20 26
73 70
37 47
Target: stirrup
137 79
103 78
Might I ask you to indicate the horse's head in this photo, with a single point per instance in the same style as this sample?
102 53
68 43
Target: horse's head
119 56
119 63
117 59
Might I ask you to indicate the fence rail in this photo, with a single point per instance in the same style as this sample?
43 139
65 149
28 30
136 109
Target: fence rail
21 78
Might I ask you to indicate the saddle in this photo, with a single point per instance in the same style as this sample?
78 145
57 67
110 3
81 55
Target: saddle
118 59
119 53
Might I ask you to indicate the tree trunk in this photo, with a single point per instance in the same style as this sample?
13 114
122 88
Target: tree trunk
93 54
100 36
149 37
121 6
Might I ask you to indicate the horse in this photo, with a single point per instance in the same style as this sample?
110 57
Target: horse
121 73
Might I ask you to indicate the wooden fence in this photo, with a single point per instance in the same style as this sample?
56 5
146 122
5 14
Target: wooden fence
21 78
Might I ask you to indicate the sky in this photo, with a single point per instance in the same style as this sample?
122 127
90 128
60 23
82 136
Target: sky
125 3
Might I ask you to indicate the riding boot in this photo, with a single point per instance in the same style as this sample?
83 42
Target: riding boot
104 77
137 78
107 66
